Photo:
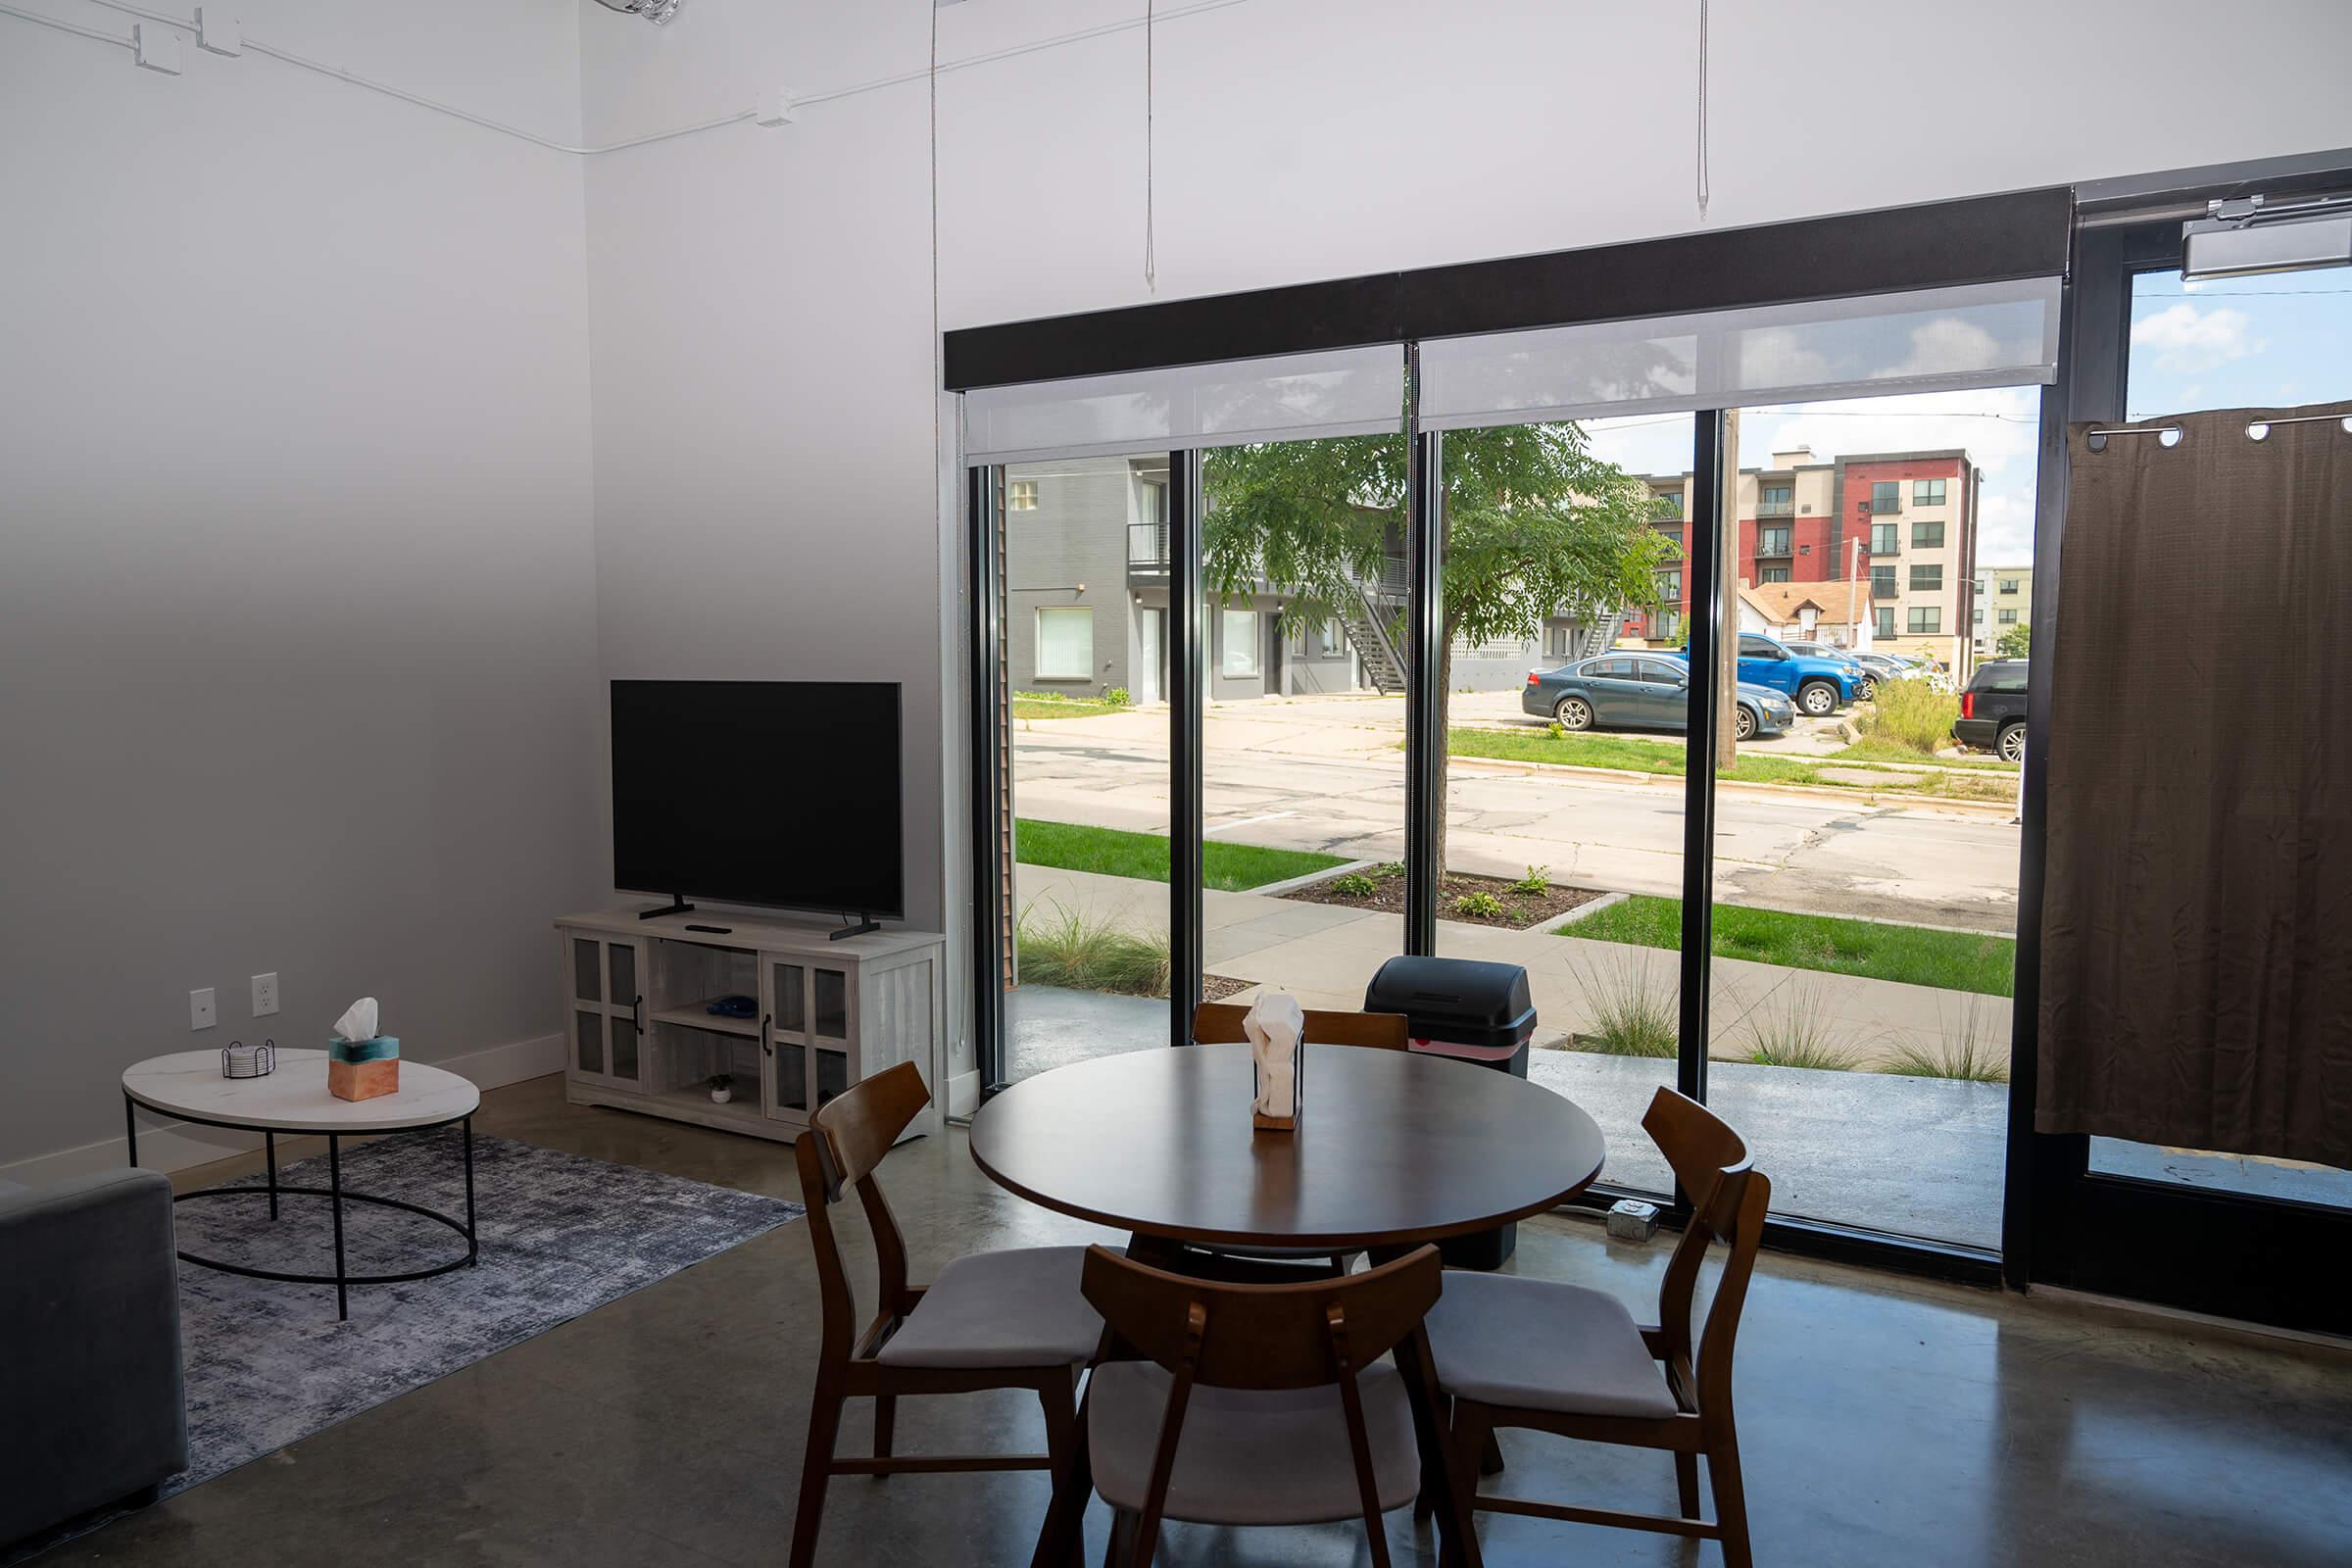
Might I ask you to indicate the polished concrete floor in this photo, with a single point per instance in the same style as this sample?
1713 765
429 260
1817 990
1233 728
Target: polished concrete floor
1884 1422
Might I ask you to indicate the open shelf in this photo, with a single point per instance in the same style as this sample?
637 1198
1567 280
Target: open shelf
744 1107
691 1015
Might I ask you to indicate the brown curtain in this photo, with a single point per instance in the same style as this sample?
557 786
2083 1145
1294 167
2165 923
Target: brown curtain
2196 961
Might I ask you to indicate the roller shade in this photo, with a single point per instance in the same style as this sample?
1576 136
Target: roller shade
1293 397
1930 340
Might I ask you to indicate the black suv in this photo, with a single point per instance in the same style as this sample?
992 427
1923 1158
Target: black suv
1992 710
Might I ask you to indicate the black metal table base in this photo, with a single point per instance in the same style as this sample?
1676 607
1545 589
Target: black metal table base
342 1279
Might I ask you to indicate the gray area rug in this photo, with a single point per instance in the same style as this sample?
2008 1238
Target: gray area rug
562 1234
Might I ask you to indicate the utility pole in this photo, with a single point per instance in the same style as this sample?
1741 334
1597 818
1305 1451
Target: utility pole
1727 573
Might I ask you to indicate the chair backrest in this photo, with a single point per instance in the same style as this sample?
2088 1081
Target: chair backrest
1219 1023
1729 1199
845 1140
1290 1336
1315 1334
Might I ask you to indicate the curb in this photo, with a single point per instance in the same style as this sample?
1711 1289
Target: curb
1294 884
1582 911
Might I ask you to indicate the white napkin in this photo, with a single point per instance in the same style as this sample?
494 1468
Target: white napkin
1274 1024
358 1021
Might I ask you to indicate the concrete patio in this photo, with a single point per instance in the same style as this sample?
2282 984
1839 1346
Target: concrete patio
1919 1156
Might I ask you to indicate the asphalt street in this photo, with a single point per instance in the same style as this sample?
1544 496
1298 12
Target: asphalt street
1329 776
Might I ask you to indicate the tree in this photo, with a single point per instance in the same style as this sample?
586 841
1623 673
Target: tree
1533 525
2015 642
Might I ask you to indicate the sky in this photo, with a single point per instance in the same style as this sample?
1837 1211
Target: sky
2256 342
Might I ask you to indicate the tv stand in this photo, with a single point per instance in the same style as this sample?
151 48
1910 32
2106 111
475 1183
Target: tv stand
677 905
856 928
834 1009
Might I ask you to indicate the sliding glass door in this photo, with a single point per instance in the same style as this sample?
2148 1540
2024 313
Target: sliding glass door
1548 676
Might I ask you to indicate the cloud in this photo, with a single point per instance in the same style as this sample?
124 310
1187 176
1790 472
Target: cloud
2185 339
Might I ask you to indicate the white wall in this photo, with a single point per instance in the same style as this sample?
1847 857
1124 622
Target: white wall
297 596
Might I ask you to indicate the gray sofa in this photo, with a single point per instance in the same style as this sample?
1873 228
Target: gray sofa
92 1405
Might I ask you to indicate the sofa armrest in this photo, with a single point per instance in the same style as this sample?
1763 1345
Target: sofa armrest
91 1401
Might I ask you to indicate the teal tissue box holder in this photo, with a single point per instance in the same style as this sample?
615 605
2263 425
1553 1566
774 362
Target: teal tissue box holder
362 1069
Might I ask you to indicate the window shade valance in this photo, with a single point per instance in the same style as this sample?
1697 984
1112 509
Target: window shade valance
1292 398
1974 335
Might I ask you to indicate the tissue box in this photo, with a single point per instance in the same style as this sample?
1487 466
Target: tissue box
362 1069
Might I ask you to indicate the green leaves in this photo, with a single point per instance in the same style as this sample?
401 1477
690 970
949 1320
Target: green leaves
1534 525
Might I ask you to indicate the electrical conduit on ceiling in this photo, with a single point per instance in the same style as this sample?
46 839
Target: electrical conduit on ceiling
254 45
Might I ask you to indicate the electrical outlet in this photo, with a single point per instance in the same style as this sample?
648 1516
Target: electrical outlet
200 1009
264 994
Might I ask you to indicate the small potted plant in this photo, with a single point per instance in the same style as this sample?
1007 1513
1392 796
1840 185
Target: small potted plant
722 1088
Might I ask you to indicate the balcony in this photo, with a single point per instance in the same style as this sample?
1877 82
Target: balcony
1772 544
1883 504
1883 588
1776 508
1147 550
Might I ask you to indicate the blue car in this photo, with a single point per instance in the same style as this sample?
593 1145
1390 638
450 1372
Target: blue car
1819 686
1642 691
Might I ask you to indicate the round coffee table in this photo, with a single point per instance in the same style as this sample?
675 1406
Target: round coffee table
187 1086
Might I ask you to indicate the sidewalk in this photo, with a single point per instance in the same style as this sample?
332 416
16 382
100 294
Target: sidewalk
1326 953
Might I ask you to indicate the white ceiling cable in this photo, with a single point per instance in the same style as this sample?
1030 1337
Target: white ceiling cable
932 71
1702 110
1150 195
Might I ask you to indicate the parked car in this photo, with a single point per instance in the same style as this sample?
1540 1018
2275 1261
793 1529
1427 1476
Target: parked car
1819 686
1643 691
1992 710
1885 666
1844 656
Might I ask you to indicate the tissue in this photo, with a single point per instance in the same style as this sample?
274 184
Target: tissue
1274 1025
358 1021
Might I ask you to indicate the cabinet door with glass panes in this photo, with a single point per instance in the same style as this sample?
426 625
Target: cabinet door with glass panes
605 979
806 1010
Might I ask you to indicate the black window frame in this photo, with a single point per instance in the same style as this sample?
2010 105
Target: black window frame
1920 527
2016 235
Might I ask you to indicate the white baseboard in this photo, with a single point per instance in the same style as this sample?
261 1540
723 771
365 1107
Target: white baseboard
168 1146
963 1093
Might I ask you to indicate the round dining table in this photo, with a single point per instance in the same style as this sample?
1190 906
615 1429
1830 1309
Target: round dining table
1392 1148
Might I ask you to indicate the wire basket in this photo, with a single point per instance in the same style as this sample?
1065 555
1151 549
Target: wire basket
241 1061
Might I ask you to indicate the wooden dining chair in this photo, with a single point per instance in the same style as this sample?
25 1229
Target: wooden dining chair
992 1320
1250 1404
1219 1023
1521 1352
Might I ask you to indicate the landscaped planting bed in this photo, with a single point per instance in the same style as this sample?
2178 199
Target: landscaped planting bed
1513 905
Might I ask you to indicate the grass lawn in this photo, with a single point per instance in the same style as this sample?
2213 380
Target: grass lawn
1950 961
1869 749
1752 767
1054 704
1110 851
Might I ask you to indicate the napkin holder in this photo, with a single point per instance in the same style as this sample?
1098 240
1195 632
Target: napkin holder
1261 1122
363 1069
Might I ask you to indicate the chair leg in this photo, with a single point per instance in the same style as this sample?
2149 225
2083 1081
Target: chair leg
1061 1539
1061 1404
1114 1544
816 1469
886 1423
1471 1433
1686 1483
1489 1455
1731 1503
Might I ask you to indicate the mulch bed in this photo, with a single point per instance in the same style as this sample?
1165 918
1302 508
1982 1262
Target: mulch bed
1217 987
1519 910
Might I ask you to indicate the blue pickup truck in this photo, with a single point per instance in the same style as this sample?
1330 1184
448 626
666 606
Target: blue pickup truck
1818 686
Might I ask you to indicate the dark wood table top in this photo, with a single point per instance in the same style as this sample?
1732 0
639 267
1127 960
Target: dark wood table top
1393 1148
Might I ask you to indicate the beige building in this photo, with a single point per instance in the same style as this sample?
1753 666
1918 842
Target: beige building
2004 601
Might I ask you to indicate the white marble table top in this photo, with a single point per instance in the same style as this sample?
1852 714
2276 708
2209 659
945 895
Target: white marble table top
294 1097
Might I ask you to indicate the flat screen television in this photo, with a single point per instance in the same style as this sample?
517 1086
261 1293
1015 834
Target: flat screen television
783 793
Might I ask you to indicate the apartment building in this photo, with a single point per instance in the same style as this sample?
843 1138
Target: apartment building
1901 525
2004 601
